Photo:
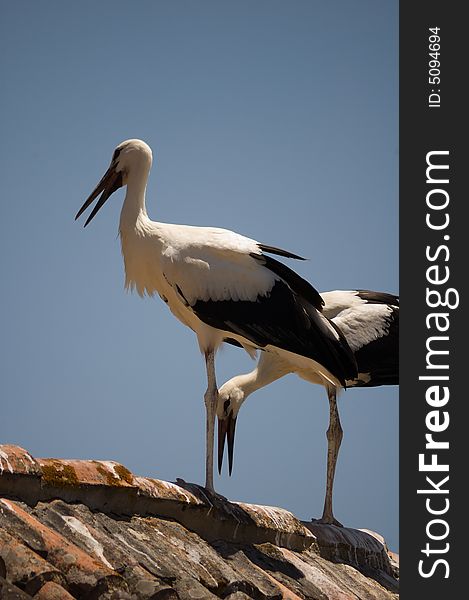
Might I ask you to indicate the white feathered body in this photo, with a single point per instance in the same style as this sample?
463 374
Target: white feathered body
184 264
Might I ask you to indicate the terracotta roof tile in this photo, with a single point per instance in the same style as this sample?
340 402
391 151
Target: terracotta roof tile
52 591
82 571
69 473
8 591
16 460
25 567
76 529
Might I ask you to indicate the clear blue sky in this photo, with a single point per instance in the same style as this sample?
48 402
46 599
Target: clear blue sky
276 119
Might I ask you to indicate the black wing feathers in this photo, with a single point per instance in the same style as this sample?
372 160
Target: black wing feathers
281 319
279 252
296 283
380 358
378 297
288 317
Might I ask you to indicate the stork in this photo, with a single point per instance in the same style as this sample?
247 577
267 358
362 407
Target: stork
222 285
370 322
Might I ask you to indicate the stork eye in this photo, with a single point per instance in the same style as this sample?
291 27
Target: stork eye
115 156
226 405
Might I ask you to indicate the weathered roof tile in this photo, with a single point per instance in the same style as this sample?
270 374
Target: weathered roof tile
65 473
24 567
76 529
17 460
8 591
82 572
110 487
52 591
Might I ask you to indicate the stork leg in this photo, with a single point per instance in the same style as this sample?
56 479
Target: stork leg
210 397
334 438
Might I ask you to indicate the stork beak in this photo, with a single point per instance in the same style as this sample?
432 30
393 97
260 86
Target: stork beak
110 182
226 430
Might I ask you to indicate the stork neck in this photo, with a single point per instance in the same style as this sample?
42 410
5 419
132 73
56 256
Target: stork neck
134 202
263 375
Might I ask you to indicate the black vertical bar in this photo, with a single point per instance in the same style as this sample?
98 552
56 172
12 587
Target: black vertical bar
433 259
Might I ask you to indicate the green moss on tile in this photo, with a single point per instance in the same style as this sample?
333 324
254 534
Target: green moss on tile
123 475
58 474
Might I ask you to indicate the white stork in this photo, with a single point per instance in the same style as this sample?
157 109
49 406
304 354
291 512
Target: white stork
370 322
220 284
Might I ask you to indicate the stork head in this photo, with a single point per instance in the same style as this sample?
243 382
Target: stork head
131 156
230 399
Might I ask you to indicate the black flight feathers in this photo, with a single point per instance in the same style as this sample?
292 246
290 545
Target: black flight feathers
380 358
297 283
378 297
279 252
288 317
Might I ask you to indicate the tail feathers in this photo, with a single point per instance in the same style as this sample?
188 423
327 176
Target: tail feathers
348 363
331 348
387 375
279 252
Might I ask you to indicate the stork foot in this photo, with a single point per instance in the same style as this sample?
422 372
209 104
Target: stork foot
213 495
204 493
327 521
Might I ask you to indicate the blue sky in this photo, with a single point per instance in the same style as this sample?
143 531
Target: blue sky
278 120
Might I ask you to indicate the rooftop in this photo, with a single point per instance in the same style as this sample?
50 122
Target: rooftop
92 529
